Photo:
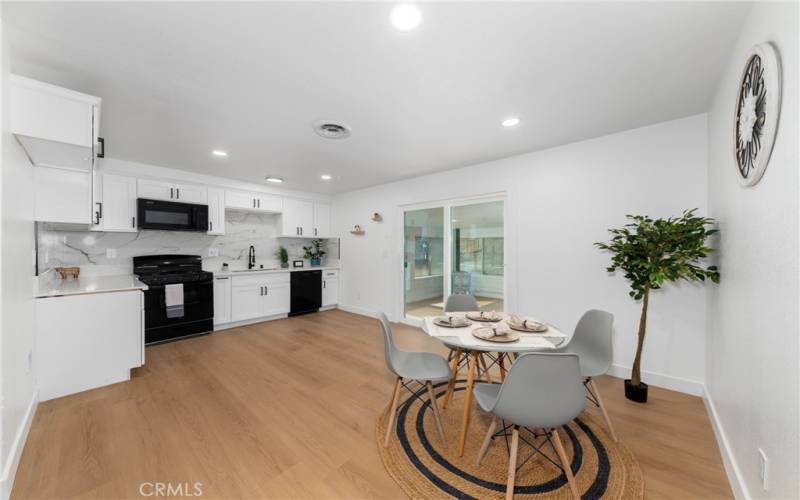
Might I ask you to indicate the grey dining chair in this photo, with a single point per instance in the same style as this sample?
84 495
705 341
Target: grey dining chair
541 393
425 368
461 303
592 341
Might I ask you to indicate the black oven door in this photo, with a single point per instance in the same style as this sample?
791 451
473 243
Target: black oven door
172 216
198 312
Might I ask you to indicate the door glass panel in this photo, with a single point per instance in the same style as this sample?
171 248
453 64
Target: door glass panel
477 250
423 265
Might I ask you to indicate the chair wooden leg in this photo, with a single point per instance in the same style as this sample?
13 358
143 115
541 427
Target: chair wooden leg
392 411
486 373
501 360
603 409
562 455
454 374
473 360
487 441
512 463
436 414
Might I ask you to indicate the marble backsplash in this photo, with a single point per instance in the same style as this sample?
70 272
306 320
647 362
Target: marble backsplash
87 249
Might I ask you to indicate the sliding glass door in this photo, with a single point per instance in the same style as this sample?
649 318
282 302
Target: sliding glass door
423 265
477 246
458 247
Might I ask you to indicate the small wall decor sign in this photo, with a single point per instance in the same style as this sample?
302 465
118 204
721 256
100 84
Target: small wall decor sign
758 106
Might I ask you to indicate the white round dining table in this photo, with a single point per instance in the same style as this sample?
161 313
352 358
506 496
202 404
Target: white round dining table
465 344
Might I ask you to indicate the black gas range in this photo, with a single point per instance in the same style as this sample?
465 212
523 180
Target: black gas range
195 313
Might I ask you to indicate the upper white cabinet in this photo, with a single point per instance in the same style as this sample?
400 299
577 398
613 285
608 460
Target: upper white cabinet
62 195
322 220
253 202
305 219
118 208
216 211
172 191
298 218
57 127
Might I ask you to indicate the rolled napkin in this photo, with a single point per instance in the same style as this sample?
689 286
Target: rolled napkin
528 324
488 332
484 316
452 320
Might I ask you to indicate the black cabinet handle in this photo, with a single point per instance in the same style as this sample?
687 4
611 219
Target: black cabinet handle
210 225
133 221
178 191
324 283
99 212
266 290
171 194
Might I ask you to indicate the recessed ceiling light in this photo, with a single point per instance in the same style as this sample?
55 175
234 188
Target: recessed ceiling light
325 177
219 152
405 17
275 180
511 121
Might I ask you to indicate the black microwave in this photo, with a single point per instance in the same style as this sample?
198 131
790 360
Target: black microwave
172 216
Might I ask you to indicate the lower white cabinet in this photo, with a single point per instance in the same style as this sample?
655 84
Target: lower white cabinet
87 341
222 300
259 295
330 287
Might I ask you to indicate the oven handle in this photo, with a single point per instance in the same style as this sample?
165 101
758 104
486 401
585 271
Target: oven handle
158 287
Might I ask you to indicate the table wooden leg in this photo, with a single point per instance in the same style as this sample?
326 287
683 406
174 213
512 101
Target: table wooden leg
452 384
485 368
473 360
501 360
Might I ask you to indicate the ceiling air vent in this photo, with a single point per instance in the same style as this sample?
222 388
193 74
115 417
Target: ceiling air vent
331 130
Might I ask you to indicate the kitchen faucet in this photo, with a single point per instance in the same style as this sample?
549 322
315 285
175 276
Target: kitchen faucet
251 258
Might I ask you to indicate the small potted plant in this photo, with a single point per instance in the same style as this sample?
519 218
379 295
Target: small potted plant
654 252
314 252
283 255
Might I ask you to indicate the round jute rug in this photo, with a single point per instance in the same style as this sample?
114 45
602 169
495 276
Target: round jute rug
424 468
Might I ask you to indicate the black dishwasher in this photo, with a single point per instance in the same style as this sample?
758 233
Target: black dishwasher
306 292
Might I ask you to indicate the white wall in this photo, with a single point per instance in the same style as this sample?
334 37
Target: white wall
560 201
752 353
17 381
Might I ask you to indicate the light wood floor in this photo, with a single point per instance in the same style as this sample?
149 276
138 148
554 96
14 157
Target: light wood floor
286 409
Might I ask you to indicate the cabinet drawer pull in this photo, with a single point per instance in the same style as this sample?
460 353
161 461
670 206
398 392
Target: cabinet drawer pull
178 191
171 194
133 221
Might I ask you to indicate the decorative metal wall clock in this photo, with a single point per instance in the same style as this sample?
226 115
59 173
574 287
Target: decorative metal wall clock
758 105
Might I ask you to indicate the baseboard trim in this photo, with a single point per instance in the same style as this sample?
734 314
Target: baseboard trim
735 477
15 453
358 310
673 383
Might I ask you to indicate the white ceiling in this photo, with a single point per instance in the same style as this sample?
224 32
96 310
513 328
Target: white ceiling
180 79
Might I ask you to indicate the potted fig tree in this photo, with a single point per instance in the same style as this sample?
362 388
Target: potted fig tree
651 253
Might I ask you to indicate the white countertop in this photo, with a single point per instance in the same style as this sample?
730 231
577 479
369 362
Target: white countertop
220 274
51 286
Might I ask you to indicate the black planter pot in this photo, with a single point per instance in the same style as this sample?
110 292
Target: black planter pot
637 393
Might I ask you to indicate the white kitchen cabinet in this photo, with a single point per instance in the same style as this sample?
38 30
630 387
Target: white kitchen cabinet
191 193
216 211
62 195
330 287
259 295
172 191
297 218
246 298
222 300
322 220
253 202
87 341
57 127
118 208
